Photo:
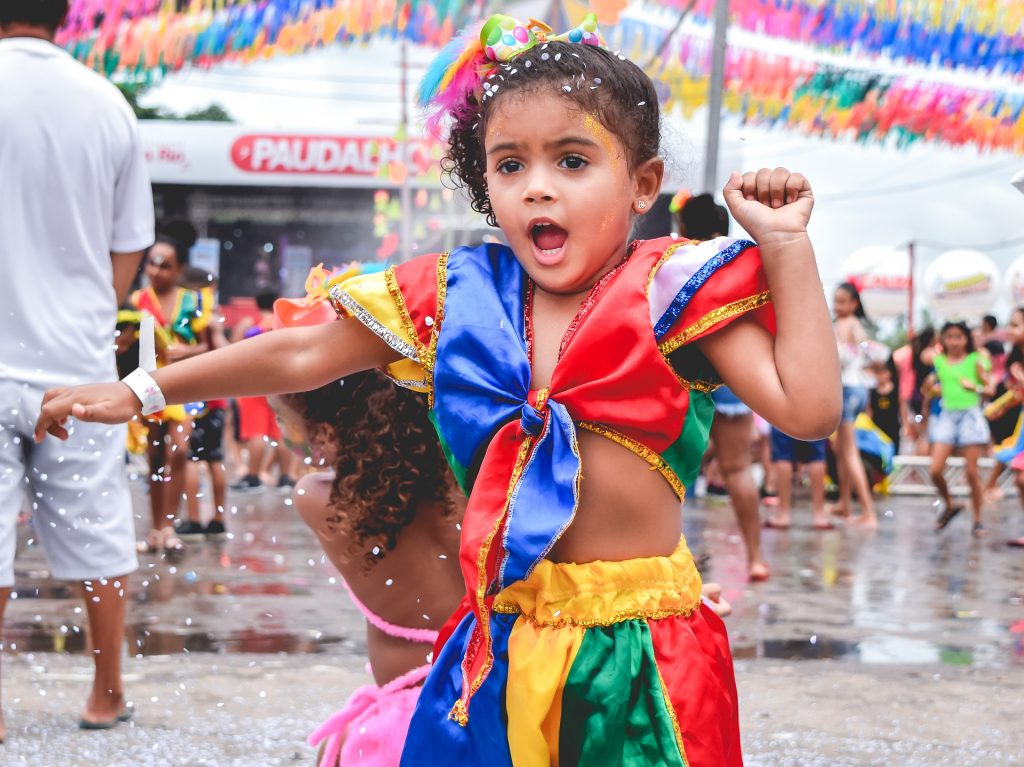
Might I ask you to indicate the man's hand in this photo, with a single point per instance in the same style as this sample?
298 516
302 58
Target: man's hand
102 403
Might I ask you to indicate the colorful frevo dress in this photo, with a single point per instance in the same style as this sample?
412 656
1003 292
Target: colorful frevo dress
600 663
183 327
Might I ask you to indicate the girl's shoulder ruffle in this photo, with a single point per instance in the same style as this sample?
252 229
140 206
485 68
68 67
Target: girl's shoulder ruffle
697 287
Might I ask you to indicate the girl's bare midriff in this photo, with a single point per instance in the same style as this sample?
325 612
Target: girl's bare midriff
626 509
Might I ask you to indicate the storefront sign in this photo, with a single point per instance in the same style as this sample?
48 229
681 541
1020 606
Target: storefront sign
232 155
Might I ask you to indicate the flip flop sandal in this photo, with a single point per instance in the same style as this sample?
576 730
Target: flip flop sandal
775 525
946 517
1017 543
109 724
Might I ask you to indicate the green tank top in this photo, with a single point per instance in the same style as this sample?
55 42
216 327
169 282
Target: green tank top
954 395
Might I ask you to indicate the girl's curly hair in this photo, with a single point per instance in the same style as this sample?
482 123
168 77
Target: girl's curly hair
388 463
596 81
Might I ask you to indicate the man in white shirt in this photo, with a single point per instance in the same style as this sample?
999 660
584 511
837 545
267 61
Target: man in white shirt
76 212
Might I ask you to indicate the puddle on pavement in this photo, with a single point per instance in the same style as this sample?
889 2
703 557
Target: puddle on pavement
268 589
146 640
881 650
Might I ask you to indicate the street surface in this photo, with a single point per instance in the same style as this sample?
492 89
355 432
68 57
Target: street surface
900 647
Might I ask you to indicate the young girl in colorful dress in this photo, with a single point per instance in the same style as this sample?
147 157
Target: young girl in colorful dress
961 377
386 510
852 340
176 310
581 638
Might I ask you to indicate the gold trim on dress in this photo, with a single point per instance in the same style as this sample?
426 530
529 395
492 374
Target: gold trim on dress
511 608
672 713
661 261
705 387
712 318
353 308
430 355
403 311
460 711
655 460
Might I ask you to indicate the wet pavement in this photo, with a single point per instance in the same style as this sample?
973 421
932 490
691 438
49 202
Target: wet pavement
899 647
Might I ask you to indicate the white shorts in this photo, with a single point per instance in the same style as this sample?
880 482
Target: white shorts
77 492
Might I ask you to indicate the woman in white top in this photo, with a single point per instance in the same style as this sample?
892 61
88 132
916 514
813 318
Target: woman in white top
857 380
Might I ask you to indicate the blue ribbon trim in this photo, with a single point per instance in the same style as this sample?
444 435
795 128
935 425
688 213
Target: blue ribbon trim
694 284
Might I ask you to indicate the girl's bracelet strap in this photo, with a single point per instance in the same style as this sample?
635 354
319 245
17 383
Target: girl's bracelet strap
147 390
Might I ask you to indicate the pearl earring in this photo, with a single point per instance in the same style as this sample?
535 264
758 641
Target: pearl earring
641 204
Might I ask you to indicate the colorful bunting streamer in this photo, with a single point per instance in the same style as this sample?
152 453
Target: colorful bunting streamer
138 39
827 100
977 34
143 39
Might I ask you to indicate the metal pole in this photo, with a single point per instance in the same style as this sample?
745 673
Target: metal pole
671 33
406 193
912 253
715 86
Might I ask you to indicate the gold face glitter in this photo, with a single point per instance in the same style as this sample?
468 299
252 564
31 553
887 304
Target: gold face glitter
594 127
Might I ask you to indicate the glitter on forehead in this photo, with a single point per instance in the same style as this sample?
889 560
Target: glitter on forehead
594 127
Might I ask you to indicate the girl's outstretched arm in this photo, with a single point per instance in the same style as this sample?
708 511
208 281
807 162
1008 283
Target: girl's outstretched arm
791 380
287 360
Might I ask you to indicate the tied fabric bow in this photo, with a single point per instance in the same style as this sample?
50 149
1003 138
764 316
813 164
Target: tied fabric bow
504 37
452 83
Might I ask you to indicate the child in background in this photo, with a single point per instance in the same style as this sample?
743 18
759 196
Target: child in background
581 636
732 429
1010 452
852 340
176 312
961 376
922 352
787 453
257 424
206 444
1004 411
126 354
884 404
763 455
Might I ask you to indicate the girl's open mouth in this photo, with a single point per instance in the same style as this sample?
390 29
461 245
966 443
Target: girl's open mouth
549 242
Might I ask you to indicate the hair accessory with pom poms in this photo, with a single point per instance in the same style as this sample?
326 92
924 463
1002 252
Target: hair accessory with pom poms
459 70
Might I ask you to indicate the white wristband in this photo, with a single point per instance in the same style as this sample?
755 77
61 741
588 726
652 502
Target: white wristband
147 390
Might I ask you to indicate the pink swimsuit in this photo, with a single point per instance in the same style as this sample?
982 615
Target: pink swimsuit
369 731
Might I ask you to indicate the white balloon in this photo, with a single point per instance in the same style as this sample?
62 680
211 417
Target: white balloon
961 284
882 276
1014 280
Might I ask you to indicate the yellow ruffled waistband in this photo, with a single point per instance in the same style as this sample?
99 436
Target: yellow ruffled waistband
604 593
